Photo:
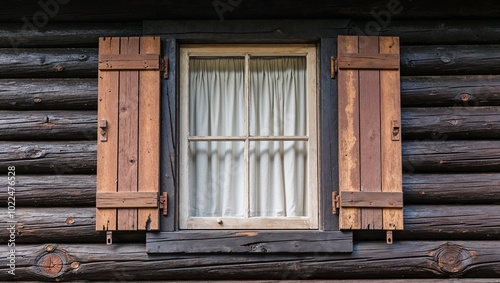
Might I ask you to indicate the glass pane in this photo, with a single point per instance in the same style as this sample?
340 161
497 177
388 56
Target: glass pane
278 178
216 96
216 171
278 100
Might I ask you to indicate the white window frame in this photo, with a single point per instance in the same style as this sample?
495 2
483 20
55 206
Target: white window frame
247 50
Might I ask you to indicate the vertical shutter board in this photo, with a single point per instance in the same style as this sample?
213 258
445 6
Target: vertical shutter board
391 150
348 103
369 133
107 151
128 133
149 134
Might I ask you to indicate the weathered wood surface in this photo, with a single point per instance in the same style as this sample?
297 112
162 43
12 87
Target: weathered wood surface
79 190
451 188
74 157
48 125
440 155
65 34
450 60
54 191
482 90
59 157
430 222
451 123
48 62
54 94
433 31
451 280
404 259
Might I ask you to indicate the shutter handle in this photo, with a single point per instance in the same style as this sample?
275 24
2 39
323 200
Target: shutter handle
103 133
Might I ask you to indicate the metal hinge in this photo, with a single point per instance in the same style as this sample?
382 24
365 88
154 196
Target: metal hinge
333 67
164 203
164 66
335 203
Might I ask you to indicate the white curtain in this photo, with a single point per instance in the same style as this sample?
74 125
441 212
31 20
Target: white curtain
277 103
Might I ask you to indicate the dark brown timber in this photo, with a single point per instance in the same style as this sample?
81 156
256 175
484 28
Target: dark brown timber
54 94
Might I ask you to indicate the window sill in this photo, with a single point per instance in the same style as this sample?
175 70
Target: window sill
237 241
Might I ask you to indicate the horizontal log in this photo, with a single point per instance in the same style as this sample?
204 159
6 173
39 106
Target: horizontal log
54 94
124 262
450 91
48 125
450 123
433 31
451 188
74 157
65 34
430 222
450 60
54 191
79 190
48 63
68 157
440 155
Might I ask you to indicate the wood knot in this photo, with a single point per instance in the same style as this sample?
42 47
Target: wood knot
70 220
50 264
59 68
464 97
32 152
37 100
453 259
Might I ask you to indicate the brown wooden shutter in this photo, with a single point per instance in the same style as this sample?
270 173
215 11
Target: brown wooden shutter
128 134
370 171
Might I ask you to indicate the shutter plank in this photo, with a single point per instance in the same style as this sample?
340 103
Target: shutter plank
107 151
391 150
348 101
369 133
128 134
149 135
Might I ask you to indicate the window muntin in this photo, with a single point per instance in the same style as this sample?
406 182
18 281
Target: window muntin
248 137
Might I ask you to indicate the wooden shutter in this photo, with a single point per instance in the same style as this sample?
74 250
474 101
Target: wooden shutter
128 134
370 171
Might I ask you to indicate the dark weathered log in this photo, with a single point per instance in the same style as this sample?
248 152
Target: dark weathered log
54 191
48 125
64 35
433 31
49 157
431 222
450 123
418 156
58 225
450 60
55 94
451 188
411 259
451 156
49 62
450 91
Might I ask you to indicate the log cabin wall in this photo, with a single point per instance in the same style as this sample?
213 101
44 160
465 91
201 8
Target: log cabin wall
450 88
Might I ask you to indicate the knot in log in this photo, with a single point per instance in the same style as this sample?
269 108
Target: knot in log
31 152
453 259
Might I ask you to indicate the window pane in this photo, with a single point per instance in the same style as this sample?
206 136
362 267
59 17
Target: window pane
216 171
278 100
278 178
216 96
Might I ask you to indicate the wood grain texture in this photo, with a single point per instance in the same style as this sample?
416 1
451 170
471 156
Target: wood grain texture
442 91
390 111
48 125
48 63
53 94
408 259
349 140
369 133
107 159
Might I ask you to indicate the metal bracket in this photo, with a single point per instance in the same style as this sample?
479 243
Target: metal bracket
333 67
164 67
396 132
388 238
164 203
109 237
335 203
103 133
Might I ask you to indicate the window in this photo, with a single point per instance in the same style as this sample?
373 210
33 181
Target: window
248 137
